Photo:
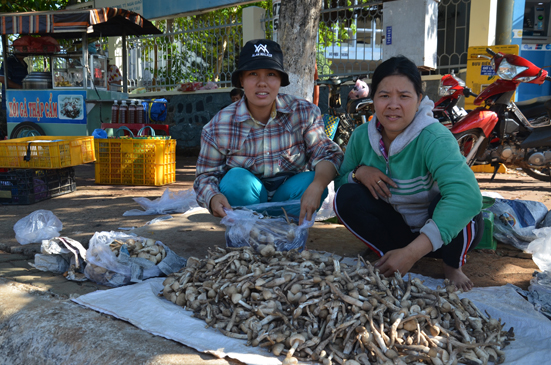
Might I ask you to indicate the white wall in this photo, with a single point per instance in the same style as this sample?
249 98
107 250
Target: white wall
413 24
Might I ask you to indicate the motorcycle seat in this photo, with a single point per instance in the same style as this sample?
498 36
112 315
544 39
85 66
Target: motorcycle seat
353 105
535 107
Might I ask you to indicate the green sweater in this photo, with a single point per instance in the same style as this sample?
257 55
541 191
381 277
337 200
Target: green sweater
423 160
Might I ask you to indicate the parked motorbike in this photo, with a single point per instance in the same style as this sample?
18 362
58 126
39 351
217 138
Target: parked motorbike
504 132
340 122
451 90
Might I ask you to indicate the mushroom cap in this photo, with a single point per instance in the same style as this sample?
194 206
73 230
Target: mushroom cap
236 297
277 348
290 361
297 337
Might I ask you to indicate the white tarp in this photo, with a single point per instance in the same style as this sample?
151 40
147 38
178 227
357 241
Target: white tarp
163 318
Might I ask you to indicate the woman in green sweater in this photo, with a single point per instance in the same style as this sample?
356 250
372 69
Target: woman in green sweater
404 188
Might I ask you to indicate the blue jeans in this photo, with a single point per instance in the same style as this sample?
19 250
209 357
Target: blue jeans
242 188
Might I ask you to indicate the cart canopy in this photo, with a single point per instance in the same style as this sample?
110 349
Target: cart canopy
101 22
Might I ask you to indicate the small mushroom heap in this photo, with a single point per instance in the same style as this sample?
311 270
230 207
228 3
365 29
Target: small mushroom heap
266 230
270 232
137 247
311 307
140 247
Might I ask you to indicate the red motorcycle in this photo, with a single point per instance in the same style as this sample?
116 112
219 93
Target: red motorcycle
451 89
504 132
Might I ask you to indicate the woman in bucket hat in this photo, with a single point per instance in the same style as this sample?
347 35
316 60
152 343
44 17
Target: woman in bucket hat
261 148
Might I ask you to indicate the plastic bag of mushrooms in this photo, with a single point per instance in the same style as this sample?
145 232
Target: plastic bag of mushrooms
312 307
254 226
116 258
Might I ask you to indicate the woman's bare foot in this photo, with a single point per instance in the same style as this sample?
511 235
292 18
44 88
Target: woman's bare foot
456 276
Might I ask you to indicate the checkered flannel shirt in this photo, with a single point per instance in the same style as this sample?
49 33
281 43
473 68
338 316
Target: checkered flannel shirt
294 140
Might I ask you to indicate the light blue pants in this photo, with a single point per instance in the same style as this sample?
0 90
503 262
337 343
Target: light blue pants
242 188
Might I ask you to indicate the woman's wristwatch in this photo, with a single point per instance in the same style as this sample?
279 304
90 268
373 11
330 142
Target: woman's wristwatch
354 178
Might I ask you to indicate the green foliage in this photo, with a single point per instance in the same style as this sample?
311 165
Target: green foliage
11 6
324 65
198 47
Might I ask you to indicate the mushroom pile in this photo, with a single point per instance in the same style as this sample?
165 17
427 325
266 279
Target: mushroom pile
313 307
136 247
271 231
259 230
144 248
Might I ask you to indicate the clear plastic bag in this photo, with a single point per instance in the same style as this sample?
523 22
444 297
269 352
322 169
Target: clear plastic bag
170 202
255 226
106 267
540 248
326 210
37 226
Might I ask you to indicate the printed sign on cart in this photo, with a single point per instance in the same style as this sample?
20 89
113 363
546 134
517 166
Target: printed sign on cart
46 106
71 107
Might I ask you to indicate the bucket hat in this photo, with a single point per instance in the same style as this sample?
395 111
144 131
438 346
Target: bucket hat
258 54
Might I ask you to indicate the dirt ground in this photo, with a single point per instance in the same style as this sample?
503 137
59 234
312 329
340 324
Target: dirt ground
95 208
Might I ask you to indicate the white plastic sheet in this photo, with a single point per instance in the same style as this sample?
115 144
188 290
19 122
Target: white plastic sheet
170 202
163 318
160 317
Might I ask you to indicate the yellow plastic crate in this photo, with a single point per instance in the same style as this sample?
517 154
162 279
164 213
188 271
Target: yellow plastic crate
135 161
46 152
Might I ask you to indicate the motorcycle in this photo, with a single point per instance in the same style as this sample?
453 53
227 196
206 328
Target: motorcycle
340 123
451 89
505 132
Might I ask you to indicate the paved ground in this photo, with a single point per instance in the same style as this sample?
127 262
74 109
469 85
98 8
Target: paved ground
30 298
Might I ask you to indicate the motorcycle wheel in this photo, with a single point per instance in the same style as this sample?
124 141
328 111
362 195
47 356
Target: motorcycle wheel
467 140
26 129
538 174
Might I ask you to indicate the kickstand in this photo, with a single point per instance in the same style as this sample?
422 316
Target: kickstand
496 167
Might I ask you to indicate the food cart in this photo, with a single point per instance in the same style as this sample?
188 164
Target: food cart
70 98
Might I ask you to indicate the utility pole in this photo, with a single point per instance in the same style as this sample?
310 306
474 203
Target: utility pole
504 24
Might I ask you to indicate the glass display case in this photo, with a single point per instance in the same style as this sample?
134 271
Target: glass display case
68 71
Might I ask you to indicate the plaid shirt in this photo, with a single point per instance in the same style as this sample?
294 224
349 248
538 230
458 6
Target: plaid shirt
294 140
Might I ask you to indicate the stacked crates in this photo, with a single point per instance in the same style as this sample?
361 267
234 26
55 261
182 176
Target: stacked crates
135 161
28 186
46 152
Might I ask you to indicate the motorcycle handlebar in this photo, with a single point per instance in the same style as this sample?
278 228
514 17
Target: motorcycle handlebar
468 92
489 50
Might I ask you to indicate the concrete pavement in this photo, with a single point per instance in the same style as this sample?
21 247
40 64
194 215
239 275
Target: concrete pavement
38 322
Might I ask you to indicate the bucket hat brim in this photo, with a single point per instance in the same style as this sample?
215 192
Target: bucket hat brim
257 65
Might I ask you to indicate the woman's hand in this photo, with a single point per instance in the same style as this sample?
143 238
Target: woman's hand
310 201
311 198
403 259
375 180
395 260
217 205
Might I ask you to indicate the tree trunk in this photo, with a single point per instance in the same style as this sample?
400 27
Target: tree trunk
297 35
